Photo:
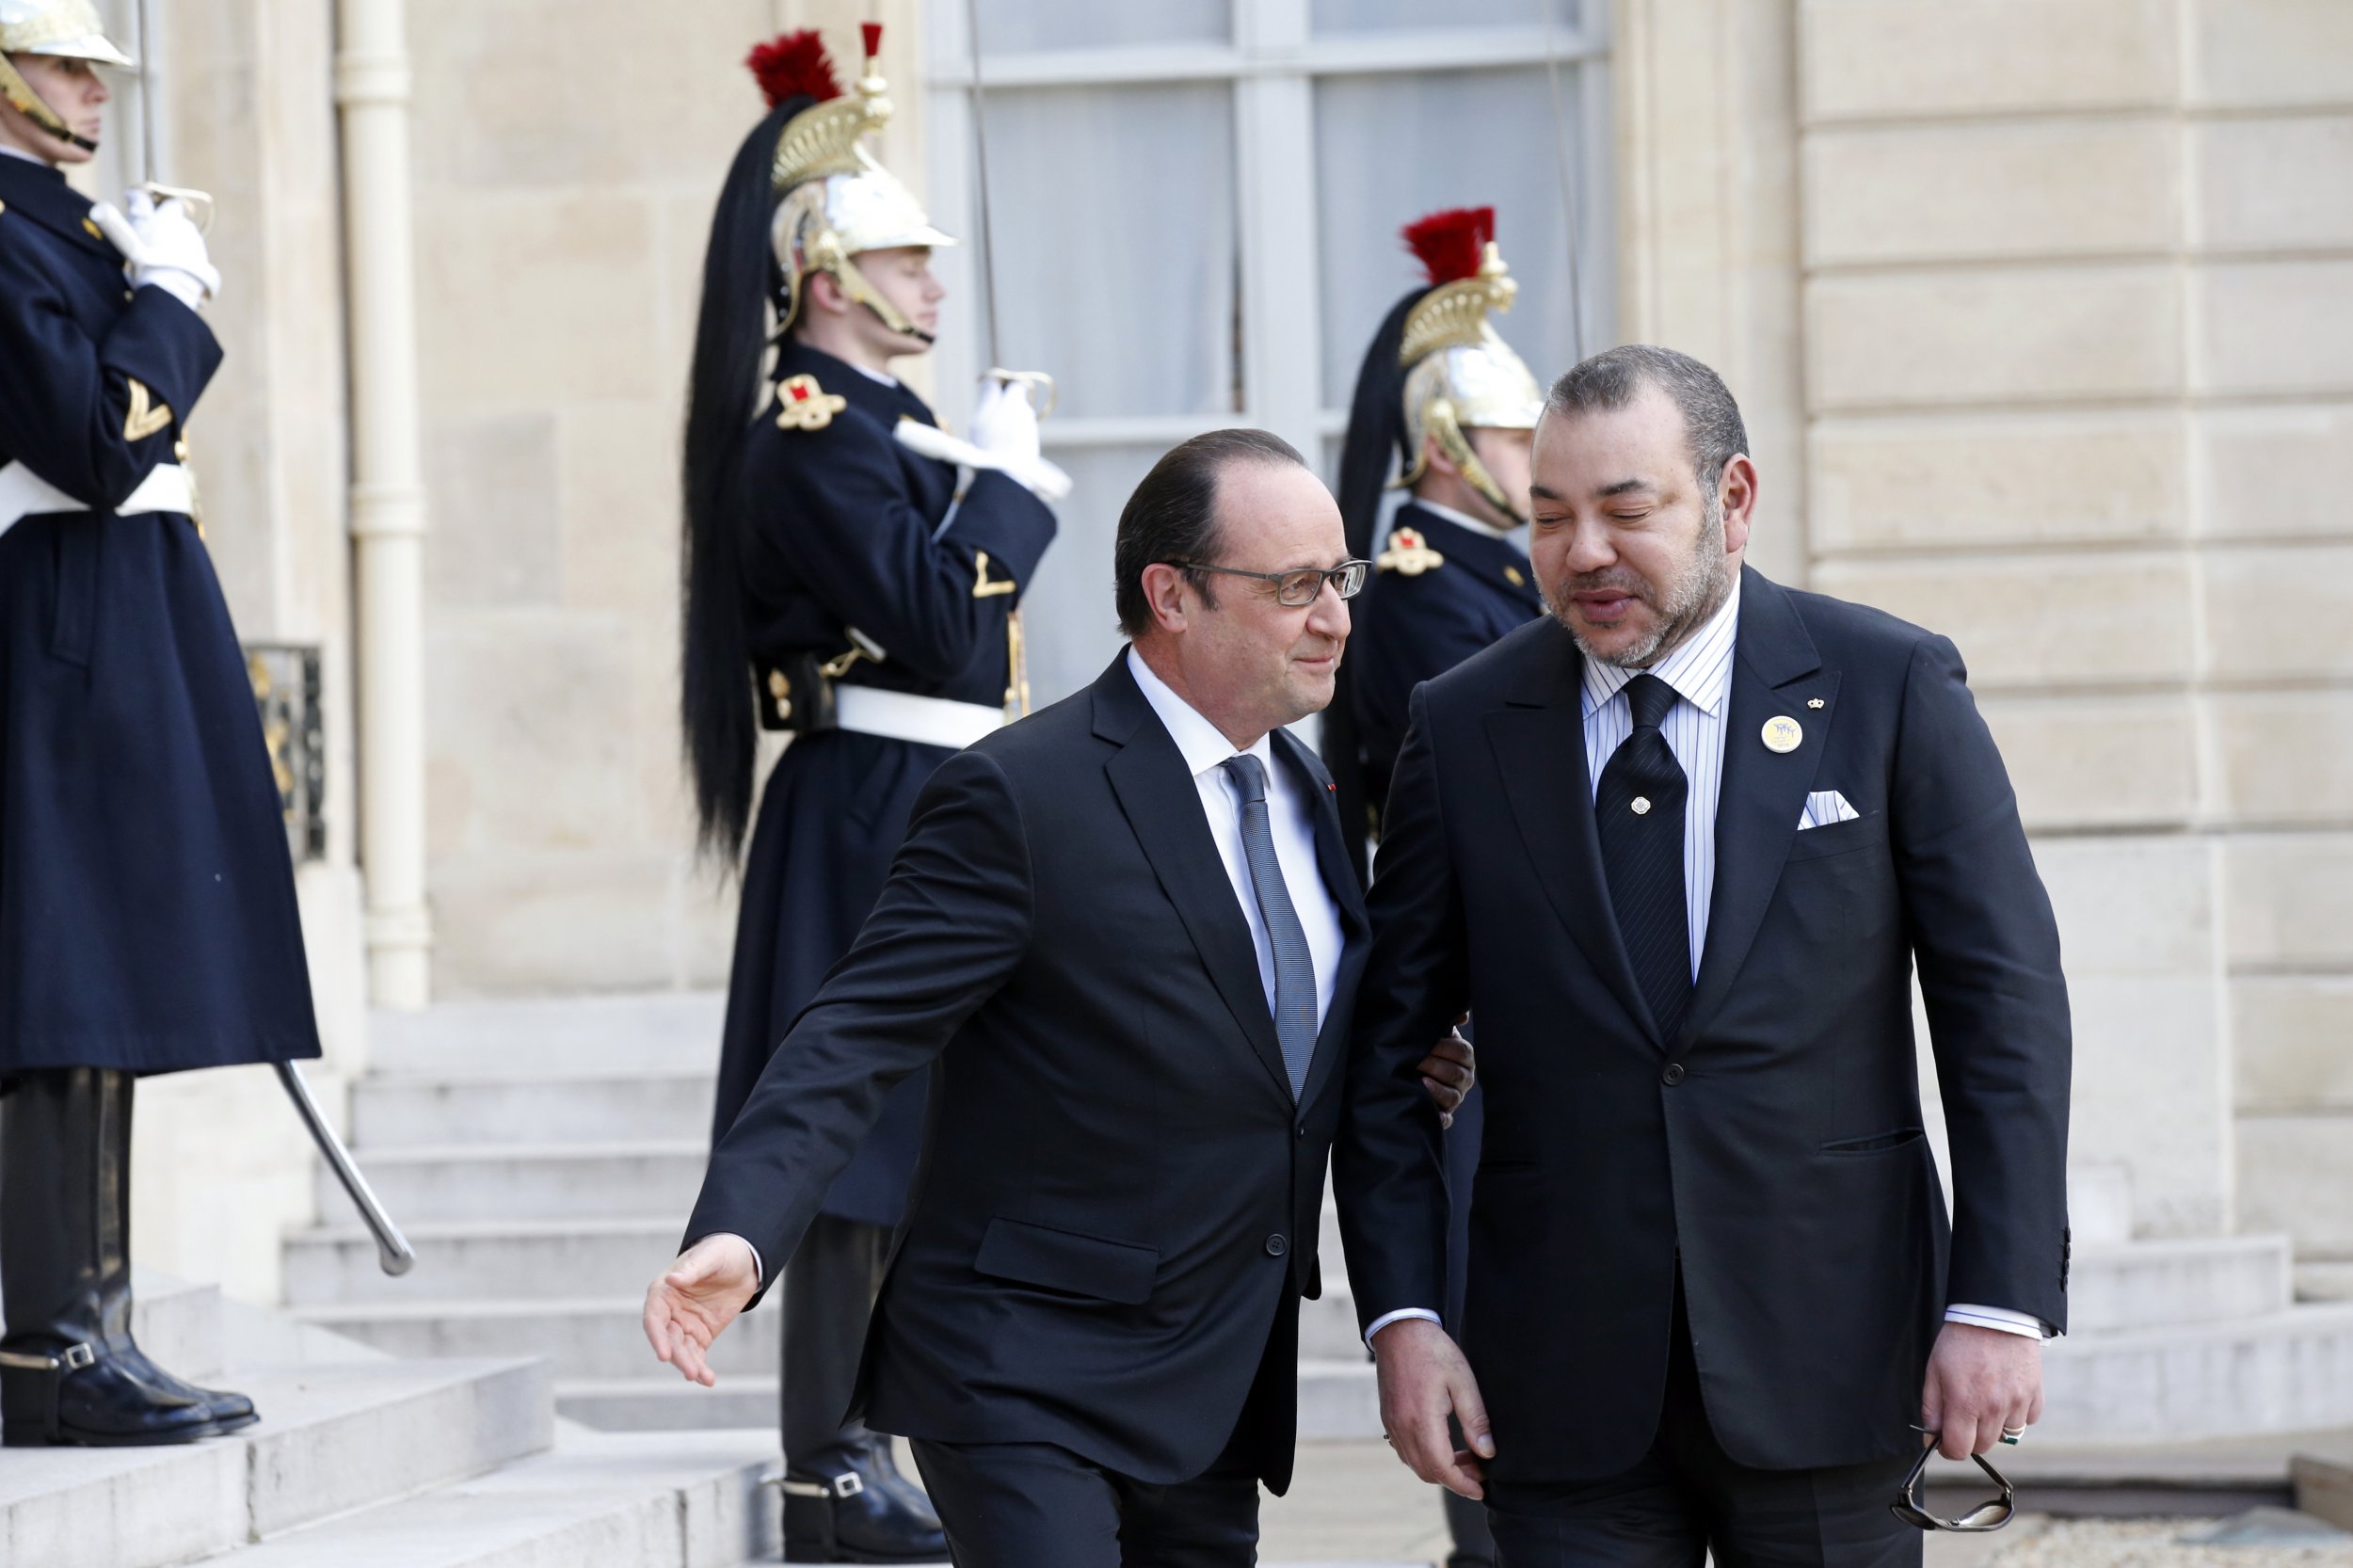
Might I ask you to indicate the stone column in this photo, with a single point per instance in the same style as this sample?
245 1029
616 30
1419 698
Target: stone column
388 518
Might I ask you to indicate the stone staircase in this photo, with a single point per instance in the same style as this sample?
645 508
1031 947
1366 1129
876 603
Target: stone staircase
543 1156
363 1460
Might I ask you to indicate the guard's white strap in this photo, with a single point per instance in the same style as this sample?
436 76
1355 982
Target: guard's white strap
903 716
167 488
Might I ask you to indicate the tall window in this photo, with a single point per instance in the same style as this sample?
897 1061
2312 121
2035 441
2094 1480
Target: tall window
1195 206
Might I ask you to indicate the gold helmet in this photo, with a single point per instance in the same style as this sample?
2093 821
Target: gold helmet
835 200
69 29
1459 373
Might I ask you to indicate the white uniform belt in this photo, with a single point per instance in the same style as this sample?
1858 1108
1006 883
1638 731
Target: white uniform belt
25 493
903 716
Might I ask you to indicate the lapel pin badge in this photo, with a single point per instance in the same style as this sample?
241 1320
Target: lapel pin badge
1814 702
1783 734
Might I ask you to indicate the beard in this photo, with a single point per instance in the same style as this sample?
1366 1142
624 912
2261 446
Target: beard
1696 592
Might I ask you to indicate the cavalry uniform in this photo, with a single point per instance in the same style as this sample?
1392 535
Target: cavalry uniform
879 587
148 922
1446 584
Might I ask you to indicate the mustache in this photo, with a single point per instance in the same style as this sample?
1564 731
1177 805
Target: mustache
1617 580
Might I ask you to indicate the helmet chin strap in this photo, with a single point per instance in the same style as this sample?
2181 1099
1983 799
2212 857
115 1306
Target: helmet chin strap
1440 420
20 96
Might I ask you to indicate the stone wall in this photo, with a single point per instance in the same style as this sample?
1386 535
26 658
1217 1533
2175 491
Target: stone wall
2079 346
567 156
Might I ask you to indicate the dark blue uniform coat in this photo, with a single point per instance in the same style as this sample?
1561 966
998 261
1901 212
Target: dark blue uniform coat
147 902
1417 626
852 529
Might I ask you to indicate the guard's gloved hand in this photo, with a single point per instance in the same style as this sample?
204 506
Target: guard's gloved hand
1004 424
171 253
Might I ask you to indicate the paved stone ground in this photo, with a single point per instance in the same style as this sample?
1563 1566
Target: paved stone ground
2148 1544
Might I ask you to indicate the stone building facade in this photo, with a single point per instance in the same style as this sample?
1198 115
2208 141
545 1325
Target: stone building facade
2042 311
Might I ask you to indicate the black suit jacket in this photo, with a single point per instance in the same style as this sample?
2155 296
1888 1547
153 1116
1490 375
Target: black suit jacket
1116 1210
1773 1146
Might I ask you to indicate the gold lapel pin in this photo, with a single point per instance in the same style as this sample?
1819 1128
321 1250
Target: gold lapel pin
1783 734
1814 702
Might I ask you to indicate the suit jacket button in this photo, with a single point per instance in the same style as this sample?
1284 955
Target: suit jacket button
1277 1246
1673 1075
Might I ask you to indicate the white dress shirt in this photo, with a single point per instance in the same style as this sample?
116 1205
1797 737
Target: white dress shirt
1291 815
1701 673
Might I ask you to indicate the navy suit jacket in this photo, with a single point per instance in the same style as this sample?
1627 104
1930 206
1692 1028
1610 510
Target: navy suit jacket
1116 1211
1772 1150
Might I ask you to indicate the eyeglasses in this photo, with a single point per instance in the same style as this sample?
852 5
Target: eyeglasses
1296 590
1991 1514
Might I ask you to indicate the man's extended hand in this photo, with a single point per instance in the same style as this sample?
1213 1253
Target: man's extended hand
1424 1380
1979 1381
1449 1071
700 1295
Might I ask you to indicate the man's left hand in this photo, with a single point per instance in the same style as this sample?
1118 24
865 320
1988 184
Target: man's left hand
1449 1071
1980 1380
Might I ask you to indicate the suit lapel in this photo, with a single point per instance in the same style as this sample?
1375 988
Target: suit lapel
1339 879
1775 674
1163 807
1539 742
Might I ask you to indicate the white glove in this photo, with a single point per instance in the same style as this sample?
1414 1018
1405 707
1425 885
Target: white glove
171 254
1004 424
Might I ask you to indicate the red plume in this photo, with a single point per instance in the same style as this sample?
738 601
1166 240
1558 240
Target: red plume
1449 242
871 32
794 65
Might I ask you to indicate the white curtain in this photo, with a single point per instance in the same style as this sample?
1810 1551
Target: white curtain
1389 149
1113 209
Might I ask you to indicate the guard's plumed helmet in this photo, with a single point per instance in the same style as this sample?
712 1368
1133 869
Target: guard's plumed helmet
70 30
1459 373
834 200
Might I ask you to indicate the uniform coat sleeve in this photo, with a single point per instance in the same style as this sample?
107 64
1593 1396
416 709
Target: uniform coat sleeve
870 554
951 927
1388 1163
1987 949
66 396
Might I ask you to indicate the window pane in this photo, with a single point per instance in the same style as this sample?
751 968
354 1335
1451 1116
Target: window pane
1067 619
1046 25
1114 240
1390 149
1386 16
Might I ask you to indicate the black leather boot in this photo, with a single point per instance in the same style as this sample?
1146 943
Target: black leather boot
65 1272
231 1411
851 1505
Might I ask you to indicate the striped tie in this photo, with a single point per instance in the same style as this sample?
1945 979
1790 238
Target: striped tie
1639 811
1294 965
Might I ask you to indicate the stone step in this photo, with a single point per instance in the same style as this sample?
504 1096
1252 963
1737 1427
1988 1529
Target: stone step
630 1031
2295 1174
333 1437
2287 1370
531 1181
2323 1279
486 1259
2153 1284
1337 1399
598 1336
431 1111
664 1402
177 1322
615 1501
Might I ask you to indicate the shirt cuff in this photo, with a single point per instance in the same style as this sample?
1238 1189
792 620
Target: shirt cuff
2023 1323
1387 1317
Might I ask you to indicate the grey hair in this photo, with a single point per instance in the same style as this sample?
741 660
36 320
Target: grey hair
1616 376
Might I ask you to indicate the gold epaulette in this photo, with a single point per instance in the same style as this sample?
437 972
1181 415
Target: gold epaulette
1409 553
803 404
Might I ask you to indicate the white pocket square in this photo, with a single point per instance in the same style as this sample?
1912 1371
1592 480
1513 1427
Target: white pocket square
1825 806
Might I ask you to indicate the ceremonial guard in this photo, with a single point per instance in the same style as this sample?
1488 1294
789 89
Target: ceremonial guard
1443 401
840 585
147 904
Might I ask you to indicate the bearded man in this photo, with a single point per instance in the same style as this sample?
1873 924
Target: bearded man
1680 847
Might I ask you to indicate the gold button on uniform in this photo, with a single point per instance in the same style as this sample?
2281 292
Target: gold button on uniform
1642 806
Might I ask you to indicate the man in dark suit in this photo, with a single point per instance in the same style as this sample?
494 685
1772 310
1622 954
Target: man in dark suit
1680 847
1124 935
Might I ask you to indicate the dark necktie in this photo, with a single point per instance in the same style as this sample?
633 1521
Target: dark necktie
1294 965
1639 809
